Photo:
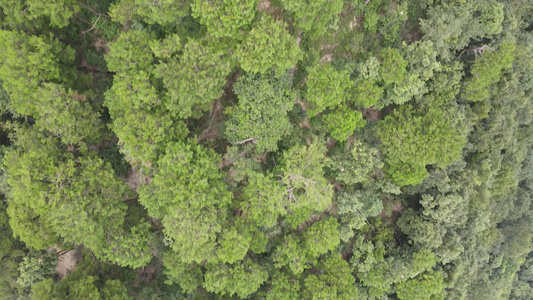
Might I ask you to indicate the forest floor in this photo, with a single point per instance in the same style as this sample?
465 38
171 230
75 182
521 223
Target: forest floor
66 262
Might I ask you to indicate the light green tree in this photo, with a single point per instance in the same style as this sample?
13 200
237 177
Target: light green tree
302 175
225 18
140 121
188 171
268 46
342 122
411 140
325 88
261 114
131 52
45 60
313 17
334 281
194 79
162 12
241 279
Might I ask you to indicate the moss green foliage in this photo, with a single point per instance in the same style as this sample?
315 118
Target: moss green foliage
313 17
326 88
302 175
393 68
225 18
142 124
343 122
194 80
268 46
266 149
195 169
486 71
411 140
160 12
45 60
95 219
261 113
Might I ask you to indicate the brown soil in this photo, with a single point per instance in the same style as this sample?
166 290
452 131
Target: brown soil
101 44
134 178
264 5
396 208
371 114
144 274
308 222
305 124
331 143
328 52
326 58
66 262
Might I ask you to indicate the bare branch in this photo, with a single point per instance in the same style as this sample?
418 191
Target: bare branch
94 25
246 141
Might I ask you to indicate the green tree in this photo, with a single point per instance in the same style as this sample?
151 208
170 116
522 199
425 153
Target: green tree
451 26
268 46
233 246
313 17
131 52
282 287
188 276
262 200
410 141
29 13
225 18
326 88
261 114
194 79
333 281
66 114
300 253
76 198
162 12
140 121
36 267
59 11
290 254
429 285
321 237
188 171
114 290
302 175
45 60
486 71
355 163
241 279
366 93
393 68
342 122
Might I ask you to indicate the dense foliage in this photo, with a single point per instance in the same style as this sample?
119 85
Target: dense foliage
266 149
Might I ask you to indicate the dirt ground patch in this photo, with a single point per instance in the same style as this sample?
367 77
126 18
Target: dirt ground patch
371 114
66 262
136 178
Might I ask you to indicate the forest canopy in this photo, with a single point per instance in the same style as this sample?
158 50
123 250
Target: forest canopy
266 149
